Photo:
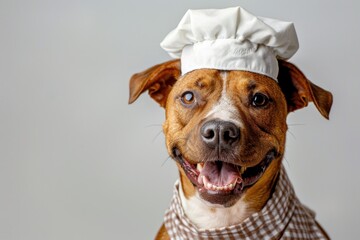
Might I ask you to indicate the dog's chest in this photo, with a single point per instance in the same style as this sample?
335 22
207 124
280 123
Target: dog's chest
205 215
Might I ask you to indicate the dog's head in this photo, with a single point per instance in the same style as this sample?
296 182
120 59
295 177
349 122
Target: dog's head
226 129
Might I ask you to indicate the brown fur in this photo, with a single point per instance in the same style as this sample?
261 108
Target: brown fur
186 184
264 129
162 234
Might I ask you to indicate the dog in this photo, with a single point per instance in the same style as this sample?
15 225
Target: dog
226 131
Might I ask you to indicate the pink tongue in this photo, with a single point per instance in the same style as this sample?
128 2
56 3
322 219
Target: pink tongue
220 173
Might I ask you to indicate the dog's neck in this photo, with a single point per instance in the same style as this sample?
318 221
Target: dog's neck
206 215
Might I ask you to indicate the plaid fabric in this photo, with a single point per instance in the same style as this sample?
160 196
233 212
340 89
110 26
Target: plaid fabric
283 217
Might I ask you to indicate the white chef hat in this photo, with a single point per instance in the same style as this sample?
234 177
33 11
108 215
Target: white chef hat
231 39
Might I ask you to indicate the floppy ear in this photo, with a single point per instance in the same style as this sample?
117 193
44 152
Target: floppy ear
158 79
299 91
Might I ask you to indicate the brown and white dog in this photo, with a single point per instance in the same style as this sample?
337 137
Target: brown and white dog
226 132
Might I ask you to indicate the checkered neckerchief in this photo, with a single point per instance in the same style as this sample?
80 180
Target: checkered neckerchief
283 217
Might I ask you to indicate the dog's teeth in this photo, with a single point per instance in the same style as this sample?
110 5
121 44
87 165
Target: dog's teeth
199 167
213 187
201 180
242 170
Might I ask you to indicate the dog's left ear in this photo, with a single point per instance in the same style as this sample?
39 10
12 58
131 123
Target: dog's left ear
158 79
299 91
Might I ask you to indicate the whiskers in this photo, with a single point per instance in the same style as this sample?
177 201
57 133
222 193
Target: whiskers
287 162
294 125
166 160
156 136
158 133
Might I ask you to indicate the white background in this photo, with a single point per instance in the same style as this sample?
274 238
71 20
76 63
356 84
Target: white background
76 162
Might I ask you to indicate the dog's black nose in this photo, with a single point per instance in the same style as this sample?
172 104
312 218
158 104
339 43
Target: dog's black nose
220 134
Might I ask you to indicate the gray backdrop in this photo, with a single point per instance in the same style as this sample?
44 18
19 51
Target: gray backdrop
76 162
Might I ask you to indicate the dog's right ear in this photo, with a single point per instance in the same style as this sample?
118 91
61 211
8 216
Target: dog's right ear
158 79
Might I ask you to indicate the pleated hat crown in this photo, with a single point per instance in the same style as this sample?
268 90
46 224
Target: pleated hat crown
231 39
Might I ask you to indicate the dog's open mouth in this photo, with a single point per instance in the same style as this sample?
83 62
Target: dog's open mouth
218 177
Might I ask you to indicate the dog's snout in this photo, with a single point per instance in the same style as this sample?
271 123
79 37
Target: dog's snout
220 134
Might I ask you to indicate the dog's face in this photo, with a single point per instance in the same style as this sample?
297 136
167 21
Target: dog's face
226 129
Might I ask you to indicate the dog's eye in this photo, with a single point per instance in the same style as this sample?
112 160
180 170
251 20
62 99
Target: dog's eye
187 98
260 100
